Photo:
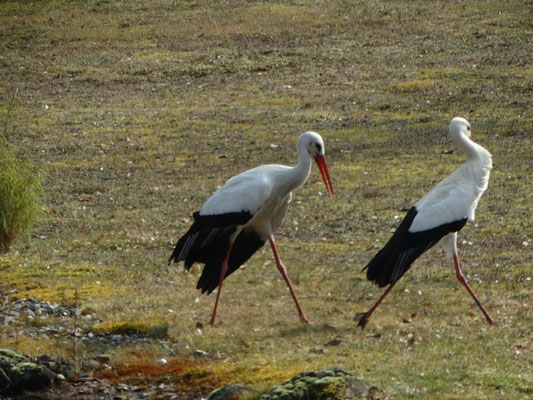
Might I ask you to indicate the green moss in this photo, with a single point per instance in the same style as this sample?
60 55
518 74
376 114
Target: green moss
278 102
156 329
414 85
322 384
21 368
439 73
7 354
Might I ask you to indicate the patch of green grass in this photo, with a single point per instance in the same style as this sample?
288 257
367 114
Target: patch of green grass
20 191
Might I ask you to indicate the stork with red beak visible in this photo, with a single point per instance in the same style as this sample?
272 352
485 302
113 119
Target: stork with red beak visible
242 215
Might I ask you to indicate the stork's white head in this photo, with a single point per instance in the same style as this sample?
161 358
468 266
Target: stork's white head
313 144
459 126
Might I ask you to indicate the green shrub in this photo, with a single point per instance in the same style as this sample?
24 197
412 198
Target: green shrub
20 195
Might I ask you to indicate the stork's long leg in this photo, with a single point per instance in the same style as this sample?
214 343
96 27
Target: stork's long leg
366 316
223 270
462 279
283 271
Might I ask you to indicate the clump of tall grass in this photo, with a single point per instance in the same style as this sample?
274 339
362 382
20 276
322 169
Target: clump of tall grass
20 195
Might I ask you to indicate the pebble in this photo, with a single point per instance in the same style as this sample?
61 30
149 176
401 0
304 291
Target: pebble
30 306
201 353
6 320
103 358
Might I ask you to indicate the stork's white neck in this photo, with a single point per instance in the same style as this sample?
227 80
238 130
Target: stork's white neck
301 171
473 150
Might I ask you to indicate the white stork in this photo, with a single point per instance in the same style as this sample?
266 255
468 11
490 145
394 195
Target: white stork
239 217
438 216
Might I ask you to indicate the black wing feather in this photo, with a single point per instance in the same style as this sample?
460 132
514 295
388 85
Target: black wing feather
245 245
404 247
207 242
206 230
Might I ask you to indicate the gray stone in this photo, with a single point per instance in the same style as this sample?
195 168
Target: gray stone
6 320
68 369
30 376
46 357
29 312
232 392
5 382
201 353
103 358
62 311
92 364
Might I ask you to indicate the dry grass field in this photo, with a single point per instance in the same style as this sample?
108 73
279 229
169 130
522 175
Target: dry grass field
136 111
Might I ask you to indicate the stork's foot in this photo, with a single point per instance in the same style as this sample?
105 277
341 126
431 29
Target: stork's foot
213 321
303 318
362 318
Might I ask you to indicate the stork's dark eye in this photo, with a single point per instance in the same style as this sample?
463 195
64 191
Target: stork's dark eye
318 147
468 127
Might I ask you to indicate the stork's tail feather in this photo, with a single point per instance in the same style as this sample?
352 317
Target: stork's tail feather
391 263
402 249
202 245
245 245
207 242
206 230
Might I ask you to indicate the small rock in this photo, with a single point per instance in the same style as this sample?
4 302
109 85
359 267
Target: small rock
6 320
5 382
68 369
46 357
85 377
91 364
29 312
30 376
103 358
232 392
162 362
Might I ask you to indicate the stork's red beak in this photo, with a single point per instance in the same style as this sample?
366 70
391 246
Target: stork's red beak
323 167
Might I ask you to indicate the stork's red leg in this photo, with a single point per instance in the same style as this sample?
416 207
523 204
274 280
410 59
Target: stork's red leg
283 271
462 279
364 319
223 270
